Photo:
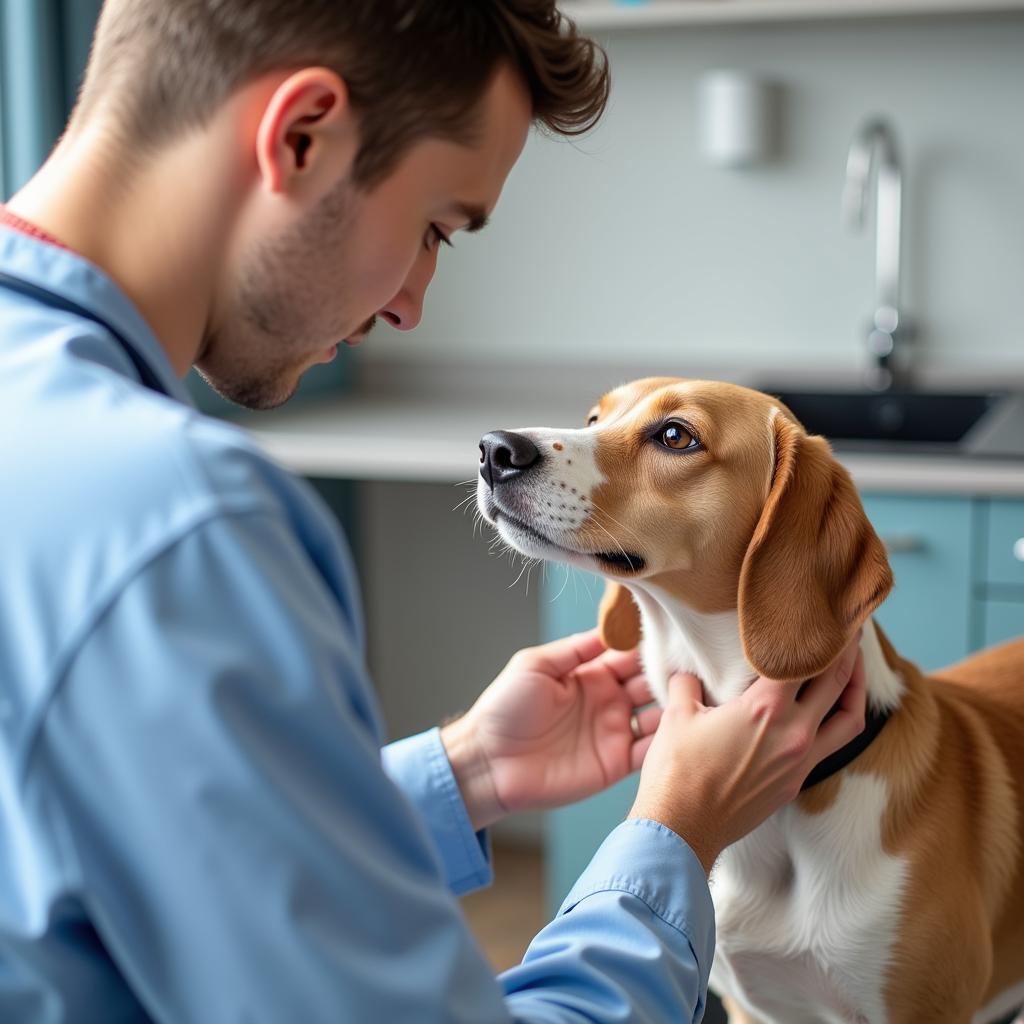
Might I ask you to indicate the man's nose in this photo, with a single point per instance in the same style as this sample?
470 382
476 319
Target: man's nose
405 310
504 455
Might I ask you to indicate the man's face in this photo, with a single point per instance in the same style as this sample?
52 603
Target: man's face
356 256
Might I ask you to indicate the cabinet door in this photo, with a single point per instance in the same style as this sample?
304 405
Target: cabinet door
1003 620
1005 543
927 615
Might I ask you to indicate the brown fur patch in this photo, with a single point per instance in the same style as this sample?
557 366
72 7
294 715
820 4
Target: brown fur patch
619 618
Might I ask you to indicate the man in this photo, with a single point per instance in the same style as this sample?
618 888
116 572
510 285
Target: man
196 822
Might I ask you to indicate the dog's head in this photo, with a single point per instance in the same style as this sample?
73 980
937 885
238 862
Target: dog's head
711 492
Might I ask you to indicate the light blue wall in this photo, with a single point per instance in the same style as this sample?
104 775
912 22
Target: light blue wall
626 245
32 88
44 45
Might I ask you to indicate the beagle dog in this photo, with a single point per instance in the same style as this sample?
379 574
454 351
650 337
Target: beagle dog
891 891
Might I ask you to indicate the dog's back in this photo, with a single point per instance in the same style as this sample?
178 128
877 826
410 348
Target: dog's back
991 684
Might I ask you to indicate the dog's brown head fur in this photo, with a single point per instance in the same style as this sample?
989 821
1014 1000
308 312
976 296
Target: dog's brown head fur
812 568
715 494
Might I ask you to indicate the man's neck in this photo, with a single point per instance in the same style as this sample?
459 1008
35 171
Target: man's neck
158 231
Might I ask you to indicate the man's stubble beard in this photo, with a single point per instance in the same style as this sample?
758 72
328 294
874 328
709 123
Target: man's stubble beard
257 359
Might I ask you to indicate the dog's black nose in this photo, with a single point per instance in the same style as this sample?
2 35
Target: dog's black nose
504 455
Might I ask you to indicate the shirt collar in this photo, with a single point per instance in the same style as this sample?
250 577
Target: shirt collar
72 276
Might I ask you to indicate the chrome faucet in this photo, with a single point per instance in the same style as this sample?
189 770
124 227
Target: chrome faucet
875 146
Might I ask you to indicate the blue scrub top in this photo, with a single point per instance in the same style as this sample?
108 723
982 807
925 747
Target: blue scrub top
196 820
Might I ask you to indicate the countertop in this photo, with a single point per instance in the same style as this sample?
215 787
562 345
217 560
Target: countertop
394 433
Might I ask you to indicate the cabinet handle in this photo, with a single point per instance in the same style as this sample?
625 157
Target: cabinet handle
1018 550
905 544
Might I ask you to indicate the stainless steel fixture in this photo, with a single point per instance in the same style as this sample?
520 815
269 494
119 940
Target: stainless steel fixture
874 147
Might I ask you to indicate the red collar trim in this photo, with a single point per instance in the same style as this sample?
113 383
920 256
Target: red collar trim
12 220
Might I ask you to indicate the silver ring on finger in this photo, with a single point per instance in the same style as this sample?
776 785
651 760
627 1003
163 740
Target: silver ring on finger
634 726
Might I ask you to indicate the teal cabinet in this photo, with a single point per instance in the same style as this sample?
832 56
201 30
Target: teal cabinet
999 595
930 543
959 586
1004 544
1002 620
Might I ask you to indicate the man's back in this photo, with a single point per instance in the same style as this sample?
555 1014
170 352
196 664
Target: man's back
111 490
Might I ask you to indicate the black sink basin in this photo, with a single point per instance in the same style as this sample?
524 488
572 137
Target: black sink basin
897 420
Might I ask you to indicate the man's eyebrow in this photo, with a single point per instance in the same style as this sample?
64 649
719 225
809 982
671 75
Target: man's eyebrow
476 216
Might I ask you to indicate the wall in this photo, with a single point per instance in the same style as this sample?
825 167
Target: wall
43 49
626 245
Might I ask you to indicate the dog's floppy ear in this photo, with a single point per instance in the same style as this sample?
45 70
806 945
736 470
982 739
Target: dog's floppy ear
619 618
815 569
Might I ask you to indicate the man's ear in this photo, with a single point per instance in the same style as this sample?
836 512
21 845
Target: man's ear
307 137
619 618
815 568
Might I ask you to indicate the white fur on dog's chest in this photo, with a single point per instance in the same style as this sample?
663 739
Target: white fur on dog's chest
678 640
807 910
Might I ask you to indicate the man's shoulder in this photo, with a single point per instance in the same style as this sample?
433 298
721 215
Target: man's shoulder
112 474
217 464
155 456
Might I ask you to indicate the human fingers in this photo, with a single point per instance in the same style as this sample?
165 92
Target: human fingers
624 665
848 721
646 721
638 752
638 690
560 657
685 691
819 696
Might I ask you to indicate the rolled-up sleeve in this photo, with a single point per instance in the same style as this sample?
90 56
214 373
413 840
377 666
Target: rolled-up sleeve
211 761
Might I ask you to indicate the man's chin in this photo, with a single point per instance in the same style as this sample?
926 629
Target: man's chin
358 336
259 396
327 356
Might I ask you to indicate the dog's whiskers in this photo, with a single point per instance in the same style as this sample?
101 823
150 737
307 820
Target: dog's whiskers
565 583
622 550
528 563
615 522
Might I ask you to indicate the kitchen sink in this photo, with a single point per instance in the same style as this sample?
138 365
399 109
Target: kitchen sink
903 420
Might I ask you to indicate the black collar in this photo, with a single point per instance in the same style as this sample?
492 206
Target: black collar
873 722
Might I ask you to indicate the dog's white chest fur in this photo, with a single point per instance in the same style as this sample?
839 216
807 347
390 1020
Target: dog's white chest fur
807 909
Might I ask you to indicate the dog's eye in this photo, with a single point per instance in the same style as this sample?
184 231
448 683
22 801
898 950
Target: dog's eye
591 419
676 437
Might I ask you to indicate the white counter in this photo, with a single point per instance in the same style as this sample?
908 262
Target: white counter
411 439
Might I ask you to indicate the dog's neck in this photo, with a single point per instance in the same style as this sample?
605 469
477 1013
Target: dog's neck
676 638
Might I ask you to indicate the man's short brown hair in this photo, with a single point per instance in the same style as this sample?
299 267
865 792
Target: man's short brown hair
413 68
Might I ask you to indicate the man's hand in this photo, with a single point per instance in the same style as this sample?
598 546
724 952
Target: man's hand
714 774
553 728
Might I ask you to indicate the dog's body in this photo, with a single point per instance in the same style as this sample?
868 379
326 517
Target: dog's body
893 891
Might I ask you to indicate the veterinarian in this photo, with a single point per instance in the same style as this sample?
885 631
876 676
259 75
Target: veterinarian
197 822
